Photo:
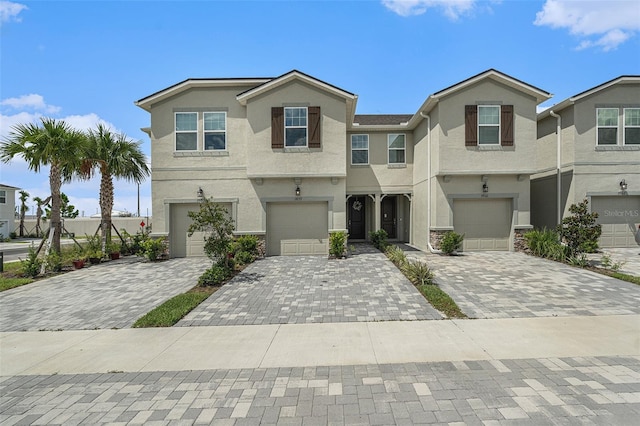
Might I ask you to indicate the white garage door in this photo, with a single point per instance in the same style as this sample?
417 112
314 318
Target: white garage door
180 244
297 229
486 223
619 217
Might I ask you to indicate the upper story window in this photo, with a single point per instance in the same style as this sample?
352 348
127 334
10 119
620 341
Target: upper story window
607 125
215 131
632 126
186 131
397 146
295 126
3 196
488 125
359 149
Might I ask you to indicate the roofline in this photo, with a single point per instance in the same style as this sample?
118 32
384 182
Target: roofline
275 82
146 102
8 186
573 99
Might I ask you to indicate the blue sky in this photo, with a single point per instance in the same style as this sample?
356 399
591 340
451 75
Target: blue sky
88 61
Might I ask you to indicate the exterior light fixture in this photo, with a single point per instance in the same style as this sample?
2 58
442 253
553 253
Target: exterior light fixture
200 193
623 185
485 187
297 191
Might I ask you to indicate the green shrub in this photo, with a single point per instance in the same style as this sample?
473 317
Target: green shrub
244 258
53 262
451 242
248 243
417 272
153 248
546 243
379 239
396 255
31 265
580 230
337 243
579 260
214 276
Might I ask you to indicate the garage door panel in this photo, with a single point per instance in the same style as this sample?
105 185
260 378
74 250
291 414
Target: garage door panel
181 244
486 223
297 228
619 217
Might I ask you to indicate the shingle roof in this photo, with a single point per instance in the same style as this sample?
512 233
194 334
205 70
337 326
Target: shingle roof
381 119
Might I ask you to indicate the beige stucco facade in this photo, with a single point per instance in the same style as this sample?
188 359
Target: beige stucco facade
590 170
437 176
7 210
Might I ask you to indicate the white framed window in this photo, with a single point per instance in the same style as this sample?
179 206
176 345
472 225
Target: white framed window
607 126
488 124
631 126
295 126
186 131
215 131
359 149
396 144
3 196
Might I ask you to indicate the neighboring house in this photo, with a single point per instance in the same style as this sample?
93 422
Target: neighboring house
292 162
592 140
7 209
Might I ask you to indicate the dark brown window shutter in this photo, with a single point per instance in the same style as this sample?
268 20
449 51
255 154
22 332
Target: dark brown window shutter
471 125
314 127
277 127
506 121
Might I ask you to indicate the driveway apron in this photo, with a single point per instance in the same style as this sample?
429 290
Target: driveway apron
110 295
516 285
313 289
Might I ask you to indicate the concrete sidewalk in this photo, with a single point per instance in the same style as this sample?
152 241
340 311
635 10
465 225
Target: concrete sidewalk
301 345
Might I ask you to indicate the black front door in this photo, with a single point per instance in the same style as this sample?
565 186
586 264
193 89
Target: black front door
389 216
356 218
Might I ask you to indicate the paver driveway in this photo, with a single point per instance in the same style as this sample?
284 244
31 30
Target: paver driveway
110 295
314 289
516 285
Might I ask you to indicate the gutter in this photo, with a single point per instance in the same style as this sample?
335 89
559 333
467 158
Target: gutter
558 165
428 118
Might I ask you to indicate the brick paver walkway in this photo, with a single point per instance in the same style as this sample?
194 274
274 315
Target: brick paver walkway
110 295
314 289
516 285
602 391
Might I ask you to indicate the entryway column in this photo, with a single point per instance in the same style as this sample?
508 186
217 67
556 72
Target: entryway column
376 210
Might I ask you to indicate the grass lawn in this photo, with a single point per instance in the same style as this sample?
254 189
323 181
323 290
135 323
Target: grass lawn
619 275
441 300
10 277
174 309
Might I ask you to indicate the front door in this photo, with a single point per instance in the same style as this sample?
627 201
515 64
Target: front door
389 216
356 218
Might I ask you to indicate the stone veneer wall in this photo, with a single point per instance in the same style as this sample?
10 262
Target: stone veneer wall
519 243
435 237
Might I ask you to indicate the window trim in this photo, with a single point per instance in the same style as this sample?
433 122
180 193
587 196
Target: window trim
617 127
176 131
625 127
205 131
360 149
3 198
305 127
499 125
396 149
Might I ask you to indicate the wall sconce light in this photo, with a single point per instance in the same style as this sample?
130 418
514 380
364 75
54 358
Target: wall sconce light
297 191
485 187
200 193
623 185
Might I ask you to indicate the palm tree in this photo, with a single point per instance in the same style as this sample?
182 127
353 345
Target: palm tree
24 195
50 143
39 203
115 156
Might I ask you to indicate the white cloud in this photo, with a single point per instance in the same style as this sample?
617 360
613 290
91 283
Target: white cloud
10 11
32 101
452 9
599 24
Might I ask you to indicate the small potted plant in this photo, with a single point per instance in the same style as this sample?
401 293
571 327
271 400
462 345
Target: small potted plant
95 256
114 250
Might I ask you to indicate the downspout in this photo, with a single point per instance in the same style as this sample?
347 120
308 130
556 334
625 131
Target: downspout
558 165
428 118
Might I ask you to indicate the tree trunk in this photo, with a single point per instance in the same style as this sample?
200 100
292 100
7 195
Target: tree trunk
55 181
106 205
23 212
